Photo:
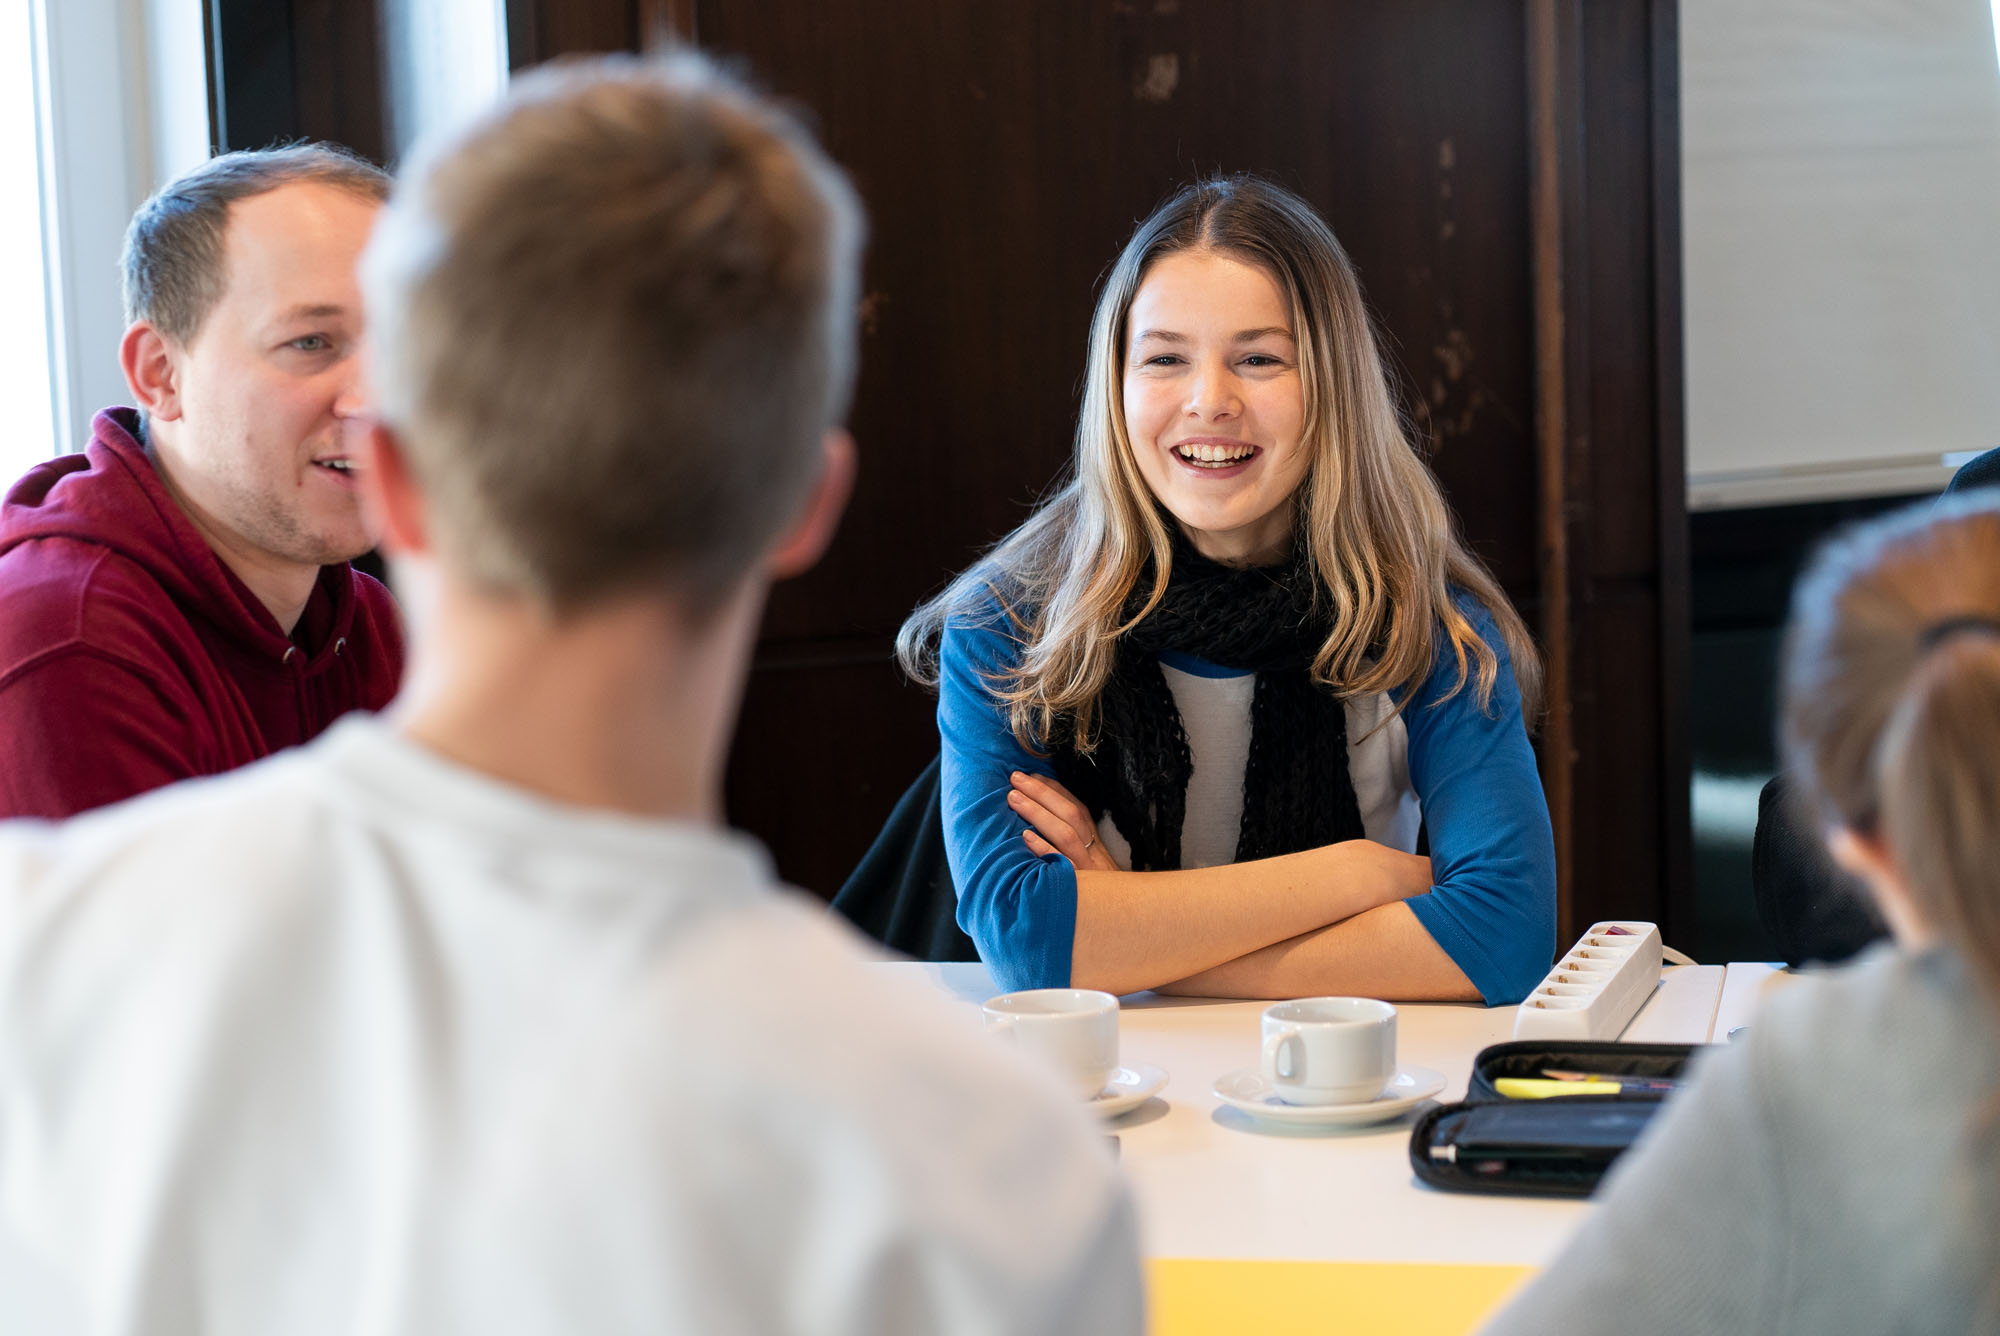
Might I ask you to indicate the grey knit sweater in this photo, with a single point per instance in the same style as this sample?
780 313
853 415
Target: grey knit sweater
1825 1173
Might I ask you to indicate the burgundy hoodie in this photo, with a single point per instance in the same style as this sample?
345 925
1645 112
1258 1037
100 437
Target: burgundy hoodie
131 656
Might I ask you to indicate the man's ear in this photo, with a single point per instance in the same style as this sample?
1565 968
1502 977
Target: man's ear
806 540
150 372
391 500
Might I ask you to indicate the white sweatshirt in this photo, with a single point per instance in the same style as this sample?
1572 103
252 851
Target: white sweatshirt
355 1040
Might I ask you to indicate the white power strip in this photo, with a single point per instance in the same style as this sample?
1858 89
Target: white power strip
1597 986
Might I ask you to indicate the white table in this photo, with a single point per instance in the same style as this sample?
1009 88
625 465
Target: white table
1743 991
1215 1185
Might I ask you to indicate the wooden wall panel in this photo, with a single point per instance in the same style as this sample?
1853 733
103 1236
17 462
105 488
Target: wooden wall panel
827 743
1003 180
1620 785
539 30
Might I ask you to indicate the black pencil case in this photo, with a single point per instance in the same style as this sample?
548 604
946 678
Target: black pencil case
1555 1147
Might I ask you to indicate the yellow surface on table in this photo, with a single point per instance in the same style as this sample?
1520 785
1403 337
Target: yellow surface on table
1201 1297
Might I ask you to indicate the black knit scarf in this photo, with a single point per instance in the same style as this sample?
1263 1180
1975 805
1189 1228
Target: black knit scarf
1297 793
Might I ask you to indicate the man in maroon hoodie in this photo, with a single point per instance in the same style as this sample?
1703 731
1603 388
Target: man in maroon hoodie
176 600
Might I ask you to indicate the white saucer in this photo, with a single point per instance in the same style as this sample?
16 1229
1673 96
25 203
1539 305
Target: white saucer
1128 1088
1250 1092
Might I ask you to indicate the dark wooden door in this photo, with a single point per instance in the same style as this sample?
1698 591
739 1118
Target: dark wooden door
280 70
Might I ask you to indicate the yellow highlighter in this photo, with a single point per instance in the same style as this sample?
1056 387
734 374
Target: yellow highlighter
1522 1087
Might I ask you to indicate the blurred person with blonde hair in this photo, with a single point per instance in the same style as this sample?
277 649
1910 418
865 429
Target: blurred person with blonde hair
1838 1167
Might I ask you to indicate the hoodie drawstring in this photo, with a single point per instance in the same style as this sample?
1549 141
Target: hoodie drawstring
296 657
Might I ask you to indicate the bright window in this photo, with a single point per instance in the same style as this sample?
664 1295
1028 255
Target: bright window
26 385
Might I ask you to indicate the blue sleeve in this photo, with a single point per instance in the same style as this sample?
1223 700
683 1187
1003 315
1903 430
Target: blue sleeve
1493 905
1019 909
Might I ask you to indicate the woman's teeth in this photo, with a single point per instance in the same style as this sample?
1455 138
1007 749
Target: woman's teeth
1215 456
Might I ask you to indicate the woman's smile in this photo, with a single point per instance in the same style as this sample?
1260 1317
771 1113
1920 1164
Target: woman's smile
1215 456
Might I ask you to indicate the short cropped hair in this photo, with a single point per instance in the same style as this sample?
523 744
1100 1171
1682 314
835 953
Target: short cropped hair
610 324
172 263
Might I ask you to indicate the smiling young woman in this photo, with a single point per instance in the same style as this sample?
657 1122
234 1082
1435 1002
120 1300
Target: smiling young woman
1196 710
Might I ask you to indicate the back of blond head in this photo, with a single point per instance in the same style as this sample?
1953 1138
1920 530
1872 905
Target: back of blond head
1891 710
611 321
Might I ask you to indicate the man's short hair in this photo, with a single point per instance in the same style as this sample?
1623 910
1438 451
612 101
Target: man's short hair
610 323
173 268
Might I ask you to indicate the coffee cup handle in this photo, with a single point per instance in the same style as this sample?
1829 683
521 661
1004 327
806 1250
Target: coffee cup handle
1274 1047
1000 1025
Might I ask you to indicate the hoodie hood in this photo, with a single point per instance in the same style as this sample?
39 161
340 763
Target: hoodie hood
112 496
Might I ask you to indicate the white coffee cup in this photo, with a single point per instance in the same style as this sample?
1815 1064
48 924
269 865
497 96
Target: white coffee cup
1074 1030
1329 1050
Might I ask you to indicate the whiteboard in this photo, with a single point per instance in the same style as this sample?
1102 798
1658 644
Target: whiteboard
1841 234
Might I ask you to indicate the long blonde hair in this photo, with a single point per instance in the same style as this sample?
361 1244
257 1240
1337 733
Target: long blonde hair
1381 541
1892 706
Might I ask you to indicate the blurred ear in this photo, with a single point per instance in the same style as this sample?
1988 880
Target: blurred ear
390 497
147 359
1862 856
1867 858
806 540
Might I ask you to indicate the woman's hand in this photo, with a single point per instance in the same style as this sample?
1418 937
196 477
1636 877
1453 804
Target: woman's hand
1397 875
1058 823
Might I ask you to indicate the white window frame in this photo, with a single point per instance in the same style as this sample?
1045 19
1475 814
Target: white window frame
122 102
